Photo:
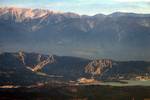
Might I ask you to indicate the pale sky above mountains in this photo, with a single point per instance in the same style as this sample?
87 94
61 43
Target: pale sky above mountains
88 7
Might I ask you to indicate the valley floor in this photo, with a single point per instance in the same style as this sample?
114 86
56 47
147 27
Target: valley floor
74 92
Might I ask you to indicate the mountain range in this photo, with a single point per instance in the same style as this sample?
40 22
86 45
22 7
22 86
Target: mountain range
118 36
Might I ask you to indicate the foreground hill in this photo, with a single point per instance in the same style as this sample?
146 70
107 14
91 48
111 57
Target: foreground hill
30 68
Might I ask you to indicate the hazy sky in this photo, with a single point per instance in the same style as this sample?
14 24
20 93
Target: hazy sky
89 7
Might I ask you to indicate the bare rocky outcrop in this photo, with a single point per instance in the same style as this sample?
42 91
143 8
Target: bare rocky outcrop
21 57
41 64
98 67
40 60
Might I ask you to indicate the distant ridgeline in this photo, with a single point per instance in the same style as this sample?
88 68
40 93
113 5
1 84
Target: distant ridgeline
28 68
